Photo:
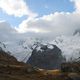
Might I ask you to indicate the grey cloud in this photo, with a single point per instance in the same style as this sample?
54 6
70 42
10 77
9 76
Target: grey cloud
54 24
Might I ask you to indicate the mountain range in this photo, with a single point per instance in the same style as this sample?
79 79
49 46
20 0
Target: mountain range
11 69
22 49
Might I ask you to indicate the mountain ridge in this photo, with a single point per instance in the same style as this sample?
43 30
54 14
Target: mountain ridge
22 49
11 69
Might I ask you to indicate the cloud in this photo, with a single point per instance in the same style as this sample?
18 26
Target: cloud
58 23
7 32
10 34
55 24
29 26
17 8
52 25
77 5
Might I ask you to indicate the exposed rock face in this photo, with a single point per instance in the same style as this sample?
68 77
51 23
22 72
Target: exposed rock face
46 57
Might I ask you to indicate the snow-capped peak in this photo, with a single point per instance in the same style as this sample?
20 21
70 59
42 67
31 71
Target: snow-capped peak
22 49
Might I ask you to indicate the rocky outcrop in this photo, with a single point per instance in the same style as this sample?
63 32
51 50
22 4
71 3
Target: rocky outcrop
46 57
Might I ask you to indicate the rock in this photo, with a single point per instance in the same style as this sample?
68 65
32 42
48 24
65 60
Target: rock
46 57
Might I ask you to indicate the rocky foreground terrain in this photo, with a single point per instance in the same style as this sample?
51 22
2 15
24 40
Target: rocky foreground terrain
11 69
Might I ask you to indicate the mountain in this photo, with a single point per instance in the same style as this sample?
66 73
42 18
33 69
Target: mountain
46 56
11 69
3 46
22 49
49 54
6 58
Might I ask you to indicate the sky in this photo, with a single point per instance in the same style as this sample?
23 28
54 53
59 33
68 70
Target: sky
40 7
49 18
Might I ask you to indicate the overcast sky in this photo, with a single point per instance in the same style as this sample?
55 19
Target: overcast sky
44 18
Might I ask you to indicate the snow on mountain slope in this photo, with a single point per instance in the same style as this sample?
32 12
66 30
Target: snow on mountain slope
70 46
3 47
22 49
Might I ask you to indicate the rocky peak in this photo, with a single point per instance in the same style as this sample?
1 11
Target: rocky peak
46 56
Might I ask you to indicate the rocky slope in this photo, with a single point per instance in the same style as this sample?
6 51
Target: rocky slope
11 69
69 48
46 57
